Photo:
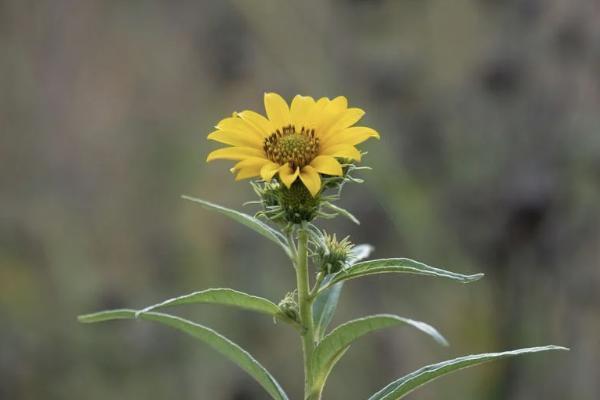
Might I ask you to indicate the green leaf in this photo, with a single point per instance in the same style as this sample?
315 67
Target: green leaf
245 219
215 340
326 302
109 315
403 386
324 307
360 252
398 265
319 383
228 297
326 353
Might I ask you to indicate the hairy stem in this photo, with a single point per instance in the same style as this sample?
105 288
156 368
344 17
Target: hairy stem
305 306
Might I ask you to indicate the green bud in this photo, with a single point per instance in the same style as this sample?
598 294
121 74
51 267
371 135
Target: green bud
289 306
333 255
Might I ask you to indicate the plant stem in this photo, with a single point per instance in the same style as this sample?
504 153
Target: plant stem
305 306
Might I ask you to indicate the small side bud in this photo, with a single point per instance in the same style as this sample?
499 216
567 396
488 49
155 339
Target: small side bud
333 255
289 306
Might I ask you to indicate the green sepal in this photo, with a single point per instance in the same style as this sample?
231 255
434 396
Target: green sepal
212 338
403 386
341 211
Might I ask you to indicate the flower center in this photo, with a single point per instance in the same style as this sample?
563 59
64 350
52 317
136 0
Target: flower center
288 146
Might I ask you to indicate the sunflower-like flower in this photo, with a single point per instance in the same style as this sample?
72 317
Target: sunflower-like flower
302 141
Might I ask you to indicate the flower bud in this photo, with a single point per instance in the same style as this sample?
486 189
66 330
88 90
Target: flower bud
333 255
289 306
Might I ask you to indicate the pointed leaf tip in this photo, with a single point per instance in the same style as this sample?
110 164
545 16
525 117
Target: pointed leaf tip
247 220
408 383
210 337
398 265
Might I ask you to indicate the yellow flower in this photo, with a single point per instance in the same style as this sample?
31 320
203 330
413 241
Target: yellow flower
302 141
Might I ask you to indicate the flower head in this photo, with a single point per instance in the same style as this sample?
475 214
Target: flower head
298 142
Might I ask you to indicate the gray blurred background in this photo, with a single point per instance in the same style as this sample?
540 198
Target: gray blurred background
489 162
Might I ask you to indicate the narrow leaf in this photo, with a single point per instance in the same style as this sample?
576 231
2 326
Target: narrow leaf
321 377
228 297
326 301
360 252
108 315
215 340
403 386
398 265
245 219
342 336
324 308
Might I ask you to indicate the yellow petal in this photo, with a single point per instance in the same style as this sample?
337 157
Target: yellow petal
321 104
327 165
311 179
238 125
245 173
250 162
331 113
236 138
269 170
259 122
234 153
277 110
339 103
301 107
353 136
249 167
345 119
288 175
316 113
342 150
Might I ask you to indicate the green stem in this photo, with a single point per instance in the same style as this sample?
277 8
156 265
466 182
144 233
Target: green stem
306 315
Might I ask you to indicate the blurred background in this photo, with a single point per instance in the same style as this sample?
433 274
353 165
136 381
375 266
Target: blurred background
489 162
